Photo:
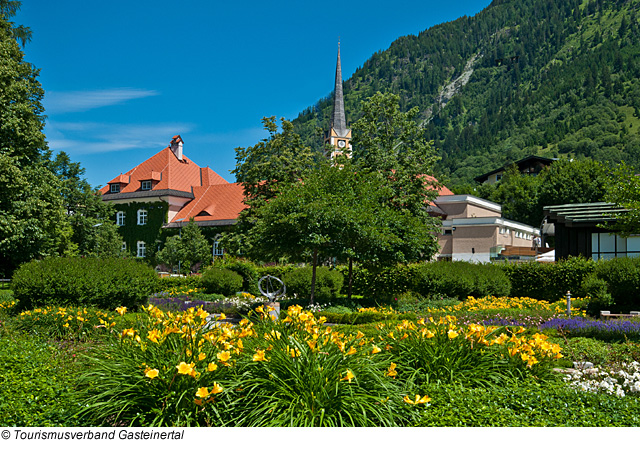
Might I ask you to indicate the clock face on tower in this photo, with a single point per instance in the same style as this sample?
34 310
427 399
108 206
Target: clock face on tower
341 143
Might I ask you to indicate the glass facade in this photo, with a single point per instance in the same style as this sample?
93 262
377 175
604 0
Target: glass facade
609 246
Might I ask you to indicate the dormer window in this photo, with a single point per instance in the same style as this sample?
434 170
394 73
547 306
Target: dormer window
145 185
115 188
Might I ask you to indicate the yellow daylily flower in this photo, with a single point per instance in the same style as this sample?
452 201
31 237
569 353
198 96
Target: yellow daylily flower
121 310
151 373
216 389
259 355
352 351
203 392
154 335
185 369
418 400
129 332
224 356
452 334
375 350
211 367
391 372
350 376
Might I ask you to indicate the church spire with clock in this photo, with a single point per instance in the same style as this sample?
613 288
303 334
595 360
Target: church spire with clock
339 136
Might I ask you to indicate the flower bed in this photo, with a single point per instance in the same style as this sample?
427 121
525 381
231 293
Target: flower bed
620 382
609 330
176 369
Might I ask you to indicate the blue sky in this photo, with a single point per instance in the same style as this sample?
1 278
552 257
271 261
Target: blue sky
122 77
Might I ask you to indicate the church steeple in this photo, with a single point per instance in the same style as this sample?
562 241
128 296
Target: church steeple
338 118
339 135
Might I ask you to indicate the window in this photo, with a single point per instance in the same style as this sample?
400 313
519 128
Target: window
120 218
142 217
609 246
124 246
447 232
217 249
145 185
115 188
142 249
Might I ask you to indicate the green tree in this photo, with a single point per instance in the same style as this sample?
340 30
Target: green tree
94 232
263 169
518 196
390 143
187 250
21 111
576 181
170 254
624 190
33 223
195 248
339 212
8 9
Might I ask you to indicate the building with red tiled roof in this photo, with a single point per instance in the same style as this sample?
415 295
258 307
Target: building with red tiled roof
164 192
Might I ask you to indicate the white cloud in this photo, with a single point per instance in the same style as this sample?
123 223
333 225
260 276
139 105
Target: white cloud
77 138
80 101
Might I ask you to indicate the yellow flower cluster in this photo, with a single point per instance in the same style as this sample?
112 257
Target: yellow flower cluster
530 350
490 302
7 304
385 310
183 291
70 317
204 345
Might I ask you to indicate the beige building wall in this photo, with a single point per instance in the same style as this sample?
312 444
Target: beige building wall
474 227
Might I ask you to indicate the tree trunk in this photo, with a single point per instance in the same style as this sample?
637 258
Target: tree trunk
350 279
313 275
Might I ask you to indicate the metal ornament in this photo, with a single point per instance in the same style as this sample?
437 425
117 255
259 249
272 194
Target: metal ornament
272 287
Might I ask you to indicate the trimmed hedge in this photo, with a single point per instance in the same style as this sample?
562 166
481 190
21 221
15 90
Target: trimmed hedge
328 283
548 281
357 318
616 284
460 279
246 269
189 282
450 279
216 280
68 281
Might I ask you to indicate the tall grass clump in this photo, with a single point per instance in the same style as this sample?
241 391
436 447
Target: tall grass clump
443 351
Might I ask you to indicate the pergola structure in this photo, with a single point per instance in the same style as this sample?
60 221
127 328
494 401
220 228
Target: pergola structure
584 230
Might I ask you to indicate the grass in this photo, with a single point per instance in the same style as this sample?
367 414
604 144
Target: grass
37 380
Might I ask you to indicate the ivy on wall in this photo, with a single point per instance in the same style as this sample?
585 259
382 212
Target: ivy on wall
150 233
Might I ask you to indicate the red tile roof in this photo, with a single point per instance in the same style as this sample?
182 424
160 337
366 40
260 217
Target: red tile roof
168 172
214 202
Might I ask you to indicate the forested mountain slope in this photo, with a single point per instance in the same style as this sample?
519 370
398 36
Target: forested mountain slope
522 77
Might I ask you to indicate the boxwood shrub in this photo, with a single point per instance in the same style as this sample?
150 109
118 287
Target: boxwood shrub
550 282
622 278
216 280
180 283
328 283
70 281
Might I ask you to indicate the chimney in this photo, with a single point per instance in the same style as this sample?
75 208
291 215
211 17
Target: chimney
176 146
